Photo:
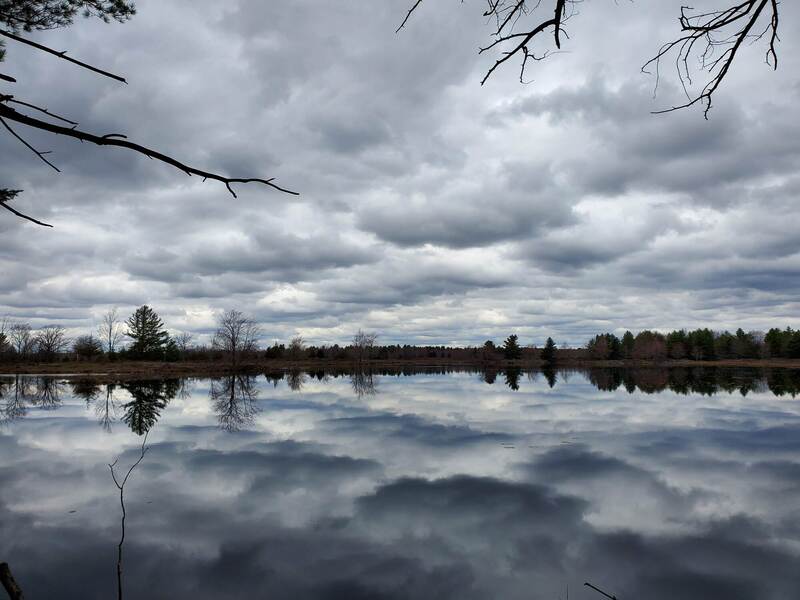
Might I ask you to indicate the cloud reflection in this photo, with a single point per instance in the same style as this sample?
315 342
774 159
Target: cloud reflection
438 486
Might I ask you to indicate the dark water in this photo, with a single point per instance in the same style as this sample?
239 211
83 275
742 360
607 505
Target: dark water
650 485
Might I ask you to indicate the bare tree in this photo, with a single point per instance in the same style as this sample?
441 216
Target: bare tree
297 348
714 37
110 330
21 338
4 326
51 340
363 342
236 335
184 341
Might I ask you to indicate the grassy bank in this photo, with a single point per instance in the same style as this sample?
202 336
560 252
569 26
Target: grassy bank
145 369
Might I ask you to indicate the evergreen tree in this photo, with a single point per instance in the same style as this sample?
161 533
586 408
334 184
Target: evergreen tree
146 330
511 348
171 352
628 342
549 351
775 342
793 345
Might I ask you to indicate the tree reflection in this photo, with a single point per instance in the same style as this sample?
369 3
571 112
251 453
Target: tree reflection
45 393
512 375
296 379
14 405
149 398
86 389
363 383
103 403
234 400
25 391
549 375
274 377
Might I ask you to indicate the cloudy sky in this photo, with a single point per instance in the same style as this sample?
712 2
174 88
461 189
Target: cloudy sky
432 209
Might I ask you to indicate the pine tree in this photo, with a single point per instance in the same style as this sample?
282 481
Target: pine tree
627 345
549 351
146 330
511 348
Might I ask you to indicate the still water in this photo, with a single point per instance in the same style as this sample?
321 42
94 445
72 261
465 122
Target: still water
650 485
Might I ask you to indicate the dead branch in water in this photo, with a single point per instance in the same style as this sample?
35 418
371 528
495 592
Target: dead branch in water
121 488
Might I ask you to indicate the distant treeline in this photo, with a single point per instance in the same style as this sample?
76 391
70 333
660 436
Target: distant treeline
143 337
699 344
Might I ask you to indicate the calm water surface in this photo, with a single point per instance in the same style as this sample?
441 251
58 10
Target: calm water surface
655 485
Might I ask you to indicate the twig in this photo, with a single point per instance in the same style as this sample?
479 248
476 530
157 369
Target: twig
597 589
27 145
63 55
713 29
23 215
9 98
121 488
408 15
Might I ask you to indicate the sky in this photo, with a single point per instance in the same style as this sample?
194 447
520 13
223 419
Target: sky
432 210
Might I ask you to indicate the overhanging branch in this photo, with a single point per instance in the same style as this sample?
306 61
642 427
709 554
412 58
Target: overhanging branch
6 112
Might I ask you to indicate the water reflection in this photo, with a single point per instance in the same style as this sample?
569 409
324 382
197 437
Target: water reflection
512 377
19 393
550 376
363 383
296 379
148 399
394 485
234 399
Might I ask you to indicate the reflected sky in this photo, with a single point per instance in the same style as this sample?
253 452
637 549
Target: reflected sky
403 486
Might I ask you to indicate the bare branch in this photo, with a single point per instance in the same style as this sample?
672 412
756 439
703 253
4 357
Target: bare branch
9 583
598 590
9 98
31 148
23 215
62 55
121 488
408 15
715 38
13 115
507 15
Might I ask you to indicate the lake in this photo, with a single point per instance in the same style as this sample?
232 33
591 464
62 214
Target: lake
648 484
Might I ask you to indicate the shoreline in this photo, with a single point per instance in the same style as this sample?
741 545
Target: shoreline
159 370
